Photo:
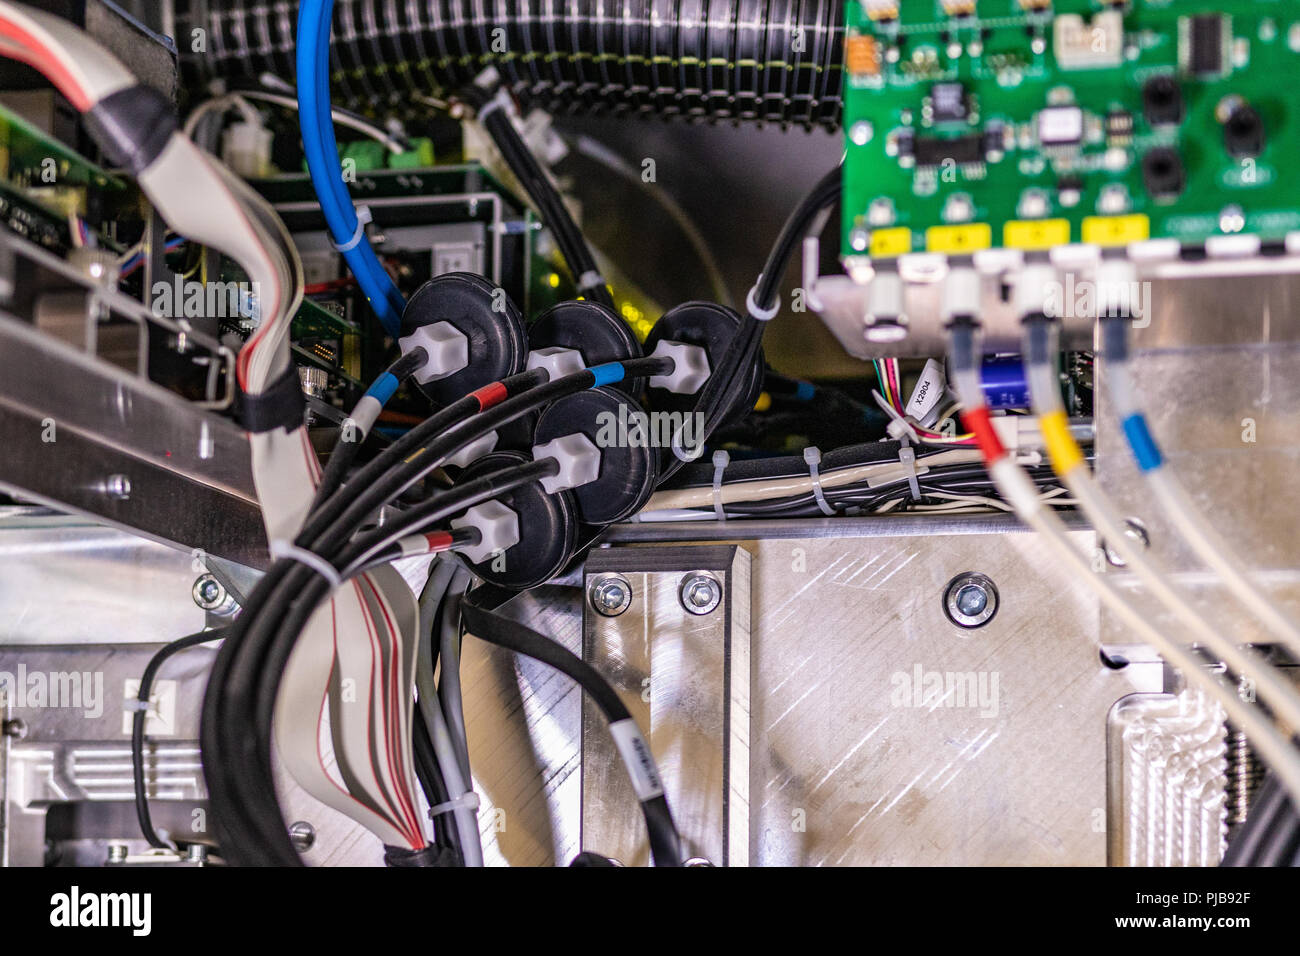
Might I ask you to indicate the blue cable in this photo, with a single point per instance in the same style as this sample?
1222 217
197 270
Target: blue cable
321 149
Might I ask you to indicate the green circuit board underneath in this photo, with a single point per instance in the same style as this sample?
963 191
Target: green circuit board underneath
1022 123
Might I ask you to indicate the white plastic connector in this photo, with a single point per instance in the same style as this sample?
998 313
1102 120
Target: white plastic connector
961 293
473 451
1037 290
557 361
498 529
885 298
246 149
446 347
690 367
1118 292
579 460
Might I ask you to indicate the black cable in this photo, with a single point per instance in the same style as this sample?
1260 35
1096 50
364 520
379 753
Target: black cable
568 237
137 726
345 452
721 390
665 843
247 676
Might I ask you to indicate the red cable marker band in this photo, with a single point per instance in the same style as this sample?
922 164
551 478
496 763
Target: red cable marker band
490 395
439 540
980 424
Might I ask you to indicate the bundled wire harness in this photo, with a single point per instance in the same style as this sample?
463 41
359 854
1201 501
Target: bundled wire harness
267 670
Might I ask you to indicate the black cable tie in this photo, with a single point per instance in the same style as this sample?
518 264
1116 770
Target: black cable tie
132 126
281 405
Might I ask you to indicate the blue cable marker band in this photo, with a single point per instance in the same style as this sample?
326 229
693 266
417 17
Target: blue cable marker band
804 391
1140 440
607 374
383 388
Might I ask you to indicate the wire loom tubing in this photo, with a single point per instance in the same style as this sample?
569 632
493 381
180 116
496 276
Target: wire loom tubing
765 60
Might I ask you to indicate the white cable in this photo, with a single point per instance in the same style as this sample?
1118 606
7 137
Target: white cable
1210 546
1278 692
1268 741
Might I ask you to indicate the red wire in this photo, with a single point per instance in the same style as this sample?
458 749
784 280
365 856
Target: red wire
34 54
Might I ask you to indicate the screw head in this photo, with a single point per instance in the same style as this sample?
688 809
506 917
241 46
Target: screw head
610 595
302 835
700 593
1134 529
117 486
970 600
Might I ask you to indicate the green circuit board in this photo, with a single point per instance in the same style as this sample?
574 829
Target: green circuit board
1026 123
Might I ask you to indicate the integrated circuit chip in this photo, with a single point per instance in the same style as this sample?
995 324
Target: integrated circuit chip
948 103
932 151
1203 44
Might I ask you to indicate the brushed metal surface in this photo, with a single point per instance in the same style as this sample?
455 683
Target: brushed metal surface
685 678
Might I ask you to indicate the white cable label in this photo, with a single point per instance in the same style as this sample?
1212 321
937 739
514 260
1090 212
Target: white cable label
636 755
929 390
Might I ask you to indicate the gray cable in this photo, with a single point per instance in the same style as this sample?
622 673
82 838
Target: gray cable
441 573
449 688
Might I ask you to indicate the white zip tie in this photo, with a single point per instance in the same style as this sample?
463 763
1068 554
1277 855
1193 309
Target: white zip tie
135 704
720 461
363 217
907 456
468 800
812 457
591 279
899 427
498 102
763 315
287 549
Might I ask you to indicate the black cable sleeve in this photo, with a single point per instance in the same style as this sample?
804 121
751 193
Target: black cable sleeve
132 126
661 58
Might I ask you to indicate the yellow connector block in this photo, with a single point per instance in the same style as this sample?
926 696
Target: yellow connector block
958 240
891 243
1116 230
1035 234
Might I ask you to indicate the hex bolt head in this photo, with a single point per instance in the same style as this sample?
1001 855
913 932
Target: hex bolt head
970 600
700 592
610 595
302 835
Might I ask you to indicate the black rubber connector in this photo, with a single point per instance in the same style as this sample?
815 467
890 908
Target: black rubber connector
629 450
548 529
481 312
